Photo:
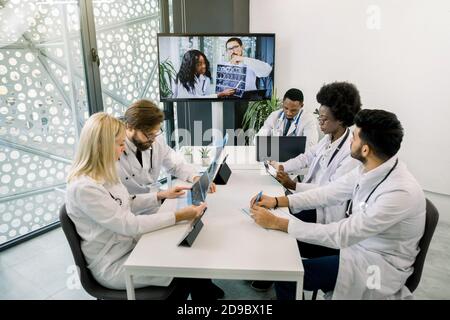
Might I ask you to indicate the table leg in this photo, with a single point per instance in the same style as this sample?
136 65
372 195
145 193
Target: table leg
130 287
299 289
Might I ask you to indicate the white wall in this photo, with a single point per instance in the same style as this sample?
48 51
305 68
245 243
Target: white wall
397 52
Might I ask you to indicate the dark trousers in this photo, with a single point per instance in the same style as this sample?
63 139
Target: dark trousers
321 266
308 250
197 288
320 273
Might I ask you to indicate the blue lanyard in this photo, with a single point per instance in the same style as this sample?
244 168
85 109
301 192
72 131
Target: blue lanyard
282 115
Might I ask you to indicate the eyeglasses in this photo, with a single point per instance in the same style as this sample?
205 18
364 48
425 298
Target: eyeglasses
233 47
152 135
322 119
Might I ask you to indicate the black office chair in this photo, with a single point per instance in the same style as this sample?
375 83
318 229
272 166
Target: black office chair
431 220
87 280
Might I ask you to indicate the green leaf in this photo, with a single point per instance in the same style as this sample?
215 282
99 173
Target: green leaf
167 75
258 111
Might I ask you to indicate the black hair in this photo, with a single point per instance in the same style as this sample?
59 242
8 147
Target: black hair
343 100
381 130
234 39
186 75
294 95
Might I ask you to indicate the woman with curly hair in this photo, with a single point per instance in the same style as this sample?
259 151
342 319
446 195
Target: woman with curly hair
330 158
194 78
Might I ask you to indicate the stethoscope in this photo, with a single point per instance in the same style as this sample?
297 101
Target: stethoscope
118 200
350 205
339 147
334 153
282 117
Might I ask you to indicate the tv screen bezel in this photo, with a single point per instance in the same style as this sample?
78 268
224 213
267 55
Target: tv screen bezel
236 34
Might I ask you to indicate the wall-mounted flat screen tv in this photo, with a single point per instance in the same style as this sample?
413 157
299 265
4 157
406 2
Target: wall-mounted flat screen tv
216 67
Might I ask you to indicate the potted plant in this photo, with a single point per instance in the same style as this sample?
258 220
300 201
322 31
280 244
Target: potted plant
167 75
257 112
205 156
188 157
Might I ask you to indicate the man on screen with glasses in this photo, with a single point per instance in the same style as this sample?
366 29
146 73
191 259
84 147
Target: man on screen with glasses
255 67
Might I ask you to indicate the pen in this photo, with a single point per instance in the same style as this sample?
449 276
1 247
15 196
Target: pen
258 197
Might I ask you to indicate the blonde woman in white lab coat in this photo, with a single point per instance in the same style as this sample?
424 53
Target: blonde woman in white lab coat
103 211
378 242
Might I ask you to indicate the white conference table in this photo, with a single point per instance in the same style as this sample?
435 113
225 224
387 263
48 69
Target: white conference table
229 246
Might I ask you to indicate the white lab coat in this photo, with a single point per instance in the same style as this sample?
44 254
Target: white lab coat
139 179
307 126
317 158
379 240
109 229
202 89
255 68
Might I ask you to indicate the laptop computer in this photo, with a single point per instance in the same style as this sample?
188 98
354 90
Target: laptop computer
279 148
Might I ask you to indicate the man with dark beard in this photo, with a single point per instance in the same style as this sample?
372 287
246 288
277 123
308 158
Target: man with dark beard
146 151
377 243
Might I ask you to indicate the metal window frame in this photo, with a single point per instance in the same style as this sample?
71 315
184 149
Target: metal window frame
90 57
167 106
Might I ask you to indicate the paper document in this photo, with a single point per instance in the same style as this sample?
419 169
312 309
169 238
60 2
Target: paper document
246 211
270 170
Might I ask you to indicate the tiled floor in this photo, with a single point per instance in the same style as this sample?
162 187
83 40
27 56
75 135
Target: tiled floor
42 269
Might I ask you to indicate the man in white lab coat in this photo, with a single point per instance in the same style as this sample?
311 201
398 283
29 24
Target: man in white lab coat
255 68
146 151
378 242
291 120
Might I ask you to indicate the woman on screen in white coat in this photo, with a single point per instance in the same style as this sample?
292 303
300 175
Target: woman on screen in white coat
291 120
193 80
330 158
378 242
103 211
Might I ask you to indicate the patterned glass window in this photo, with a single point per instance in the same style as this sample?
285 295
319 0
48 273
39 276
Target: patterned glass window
126 40
42 107
43 101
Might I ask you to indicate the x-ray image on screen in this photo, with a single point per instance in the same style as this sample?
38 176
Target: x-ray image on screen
231 77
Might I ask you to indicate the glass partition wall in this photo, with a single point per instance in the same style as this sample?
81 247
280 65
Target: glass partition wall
45 89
